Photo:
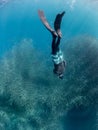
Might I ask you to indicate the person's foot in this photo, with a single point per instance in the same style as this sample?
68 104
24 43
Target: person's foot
59 33
54 34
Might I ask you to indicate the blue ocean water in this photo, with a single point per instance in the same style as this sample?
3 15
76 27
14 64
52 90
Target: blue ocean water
31 97
19 20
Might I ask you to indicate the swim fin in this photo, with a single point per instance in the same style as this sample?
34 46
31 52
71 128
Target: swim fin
57 23
45 22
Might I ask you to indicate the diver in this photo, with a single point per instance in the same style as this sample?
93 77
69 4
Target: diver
57 55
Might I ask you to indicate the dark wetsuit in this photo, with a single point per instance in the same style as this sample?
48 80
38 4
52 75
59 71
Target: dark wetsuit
57 55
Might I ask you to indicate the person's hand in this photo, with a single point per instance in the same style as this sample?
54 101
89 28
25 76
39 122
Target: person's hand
59 33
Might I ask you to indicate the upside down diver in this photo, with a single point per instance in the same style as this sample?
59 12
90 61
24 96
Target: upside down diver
57 55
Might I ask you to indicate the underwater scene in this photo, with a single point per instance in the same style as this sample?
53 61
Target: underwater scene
32 97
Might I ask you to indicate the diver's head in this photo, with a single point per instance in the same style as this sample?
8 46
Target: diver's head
61 76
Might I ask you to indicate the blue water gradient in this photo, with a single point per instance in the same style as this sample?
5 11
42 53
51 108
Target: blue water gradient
19 20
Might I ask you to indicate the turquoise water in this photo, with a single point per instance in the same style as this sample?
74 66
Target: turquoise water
31 97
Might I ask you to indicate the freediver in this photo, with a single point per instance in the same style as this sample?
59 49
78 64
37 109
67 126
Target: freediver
57 55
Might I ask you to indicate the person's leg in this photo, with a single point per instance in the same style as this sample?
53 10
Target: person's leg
57 44
53 44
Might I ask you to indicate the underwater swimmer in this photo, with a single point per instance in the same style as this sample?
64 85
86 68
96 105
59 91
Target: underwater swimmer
57 55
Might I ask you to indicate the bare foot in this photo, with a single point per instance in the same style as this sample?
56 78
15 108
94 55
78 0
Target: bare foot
54 34
59 33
